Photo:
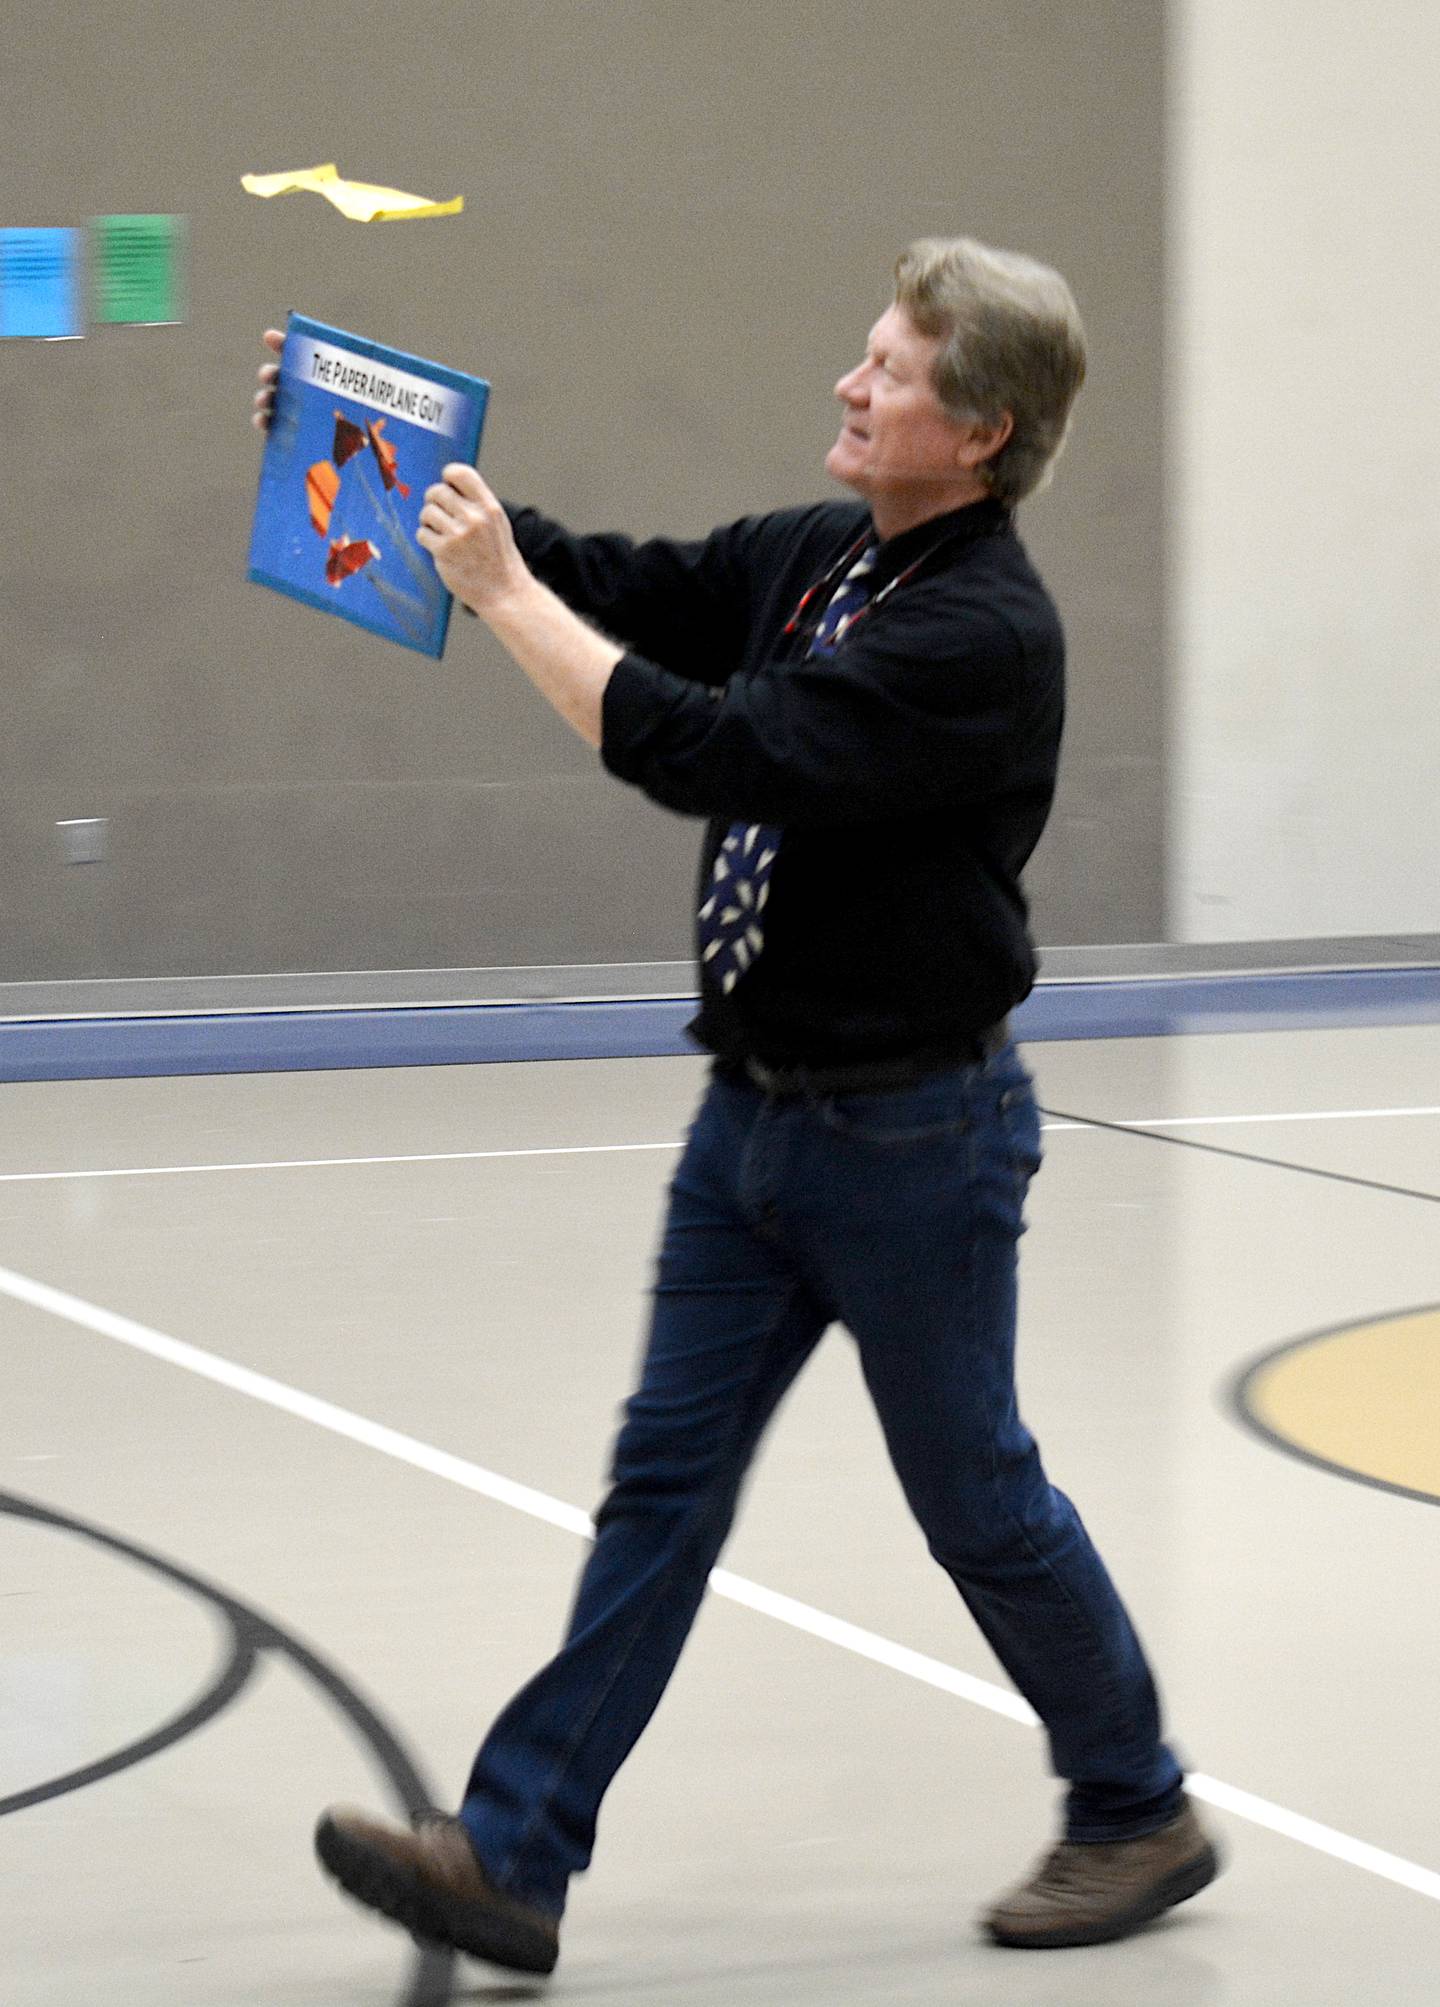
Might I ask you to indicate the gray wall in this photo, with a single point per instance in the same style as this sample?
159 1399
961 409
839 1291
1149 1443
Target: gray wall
679 224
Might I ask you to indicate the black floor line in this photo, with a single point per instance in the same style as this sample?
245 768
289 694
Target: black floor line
1243 1156
431 1978
239 1665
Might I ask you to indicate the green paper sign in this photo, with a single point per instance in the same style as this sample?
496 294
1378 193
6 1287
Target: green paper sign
137 268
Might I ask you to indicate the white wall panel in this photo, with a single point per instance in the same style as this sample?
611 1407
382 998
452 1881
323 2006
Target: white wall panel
1305 478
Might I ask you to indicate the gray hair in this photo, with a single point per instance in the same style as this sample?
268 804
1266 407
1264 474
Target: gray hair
1013 341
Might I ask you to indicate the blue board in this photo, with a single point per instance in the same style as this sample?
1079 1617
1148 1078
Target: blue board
359 432
40 285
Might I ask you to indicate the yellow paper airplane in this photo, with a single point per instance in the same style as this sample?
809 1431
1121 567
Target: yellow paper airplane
361 201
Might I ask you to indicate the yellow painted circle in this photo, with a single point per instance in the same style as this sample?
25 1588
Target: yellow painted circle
1364 1400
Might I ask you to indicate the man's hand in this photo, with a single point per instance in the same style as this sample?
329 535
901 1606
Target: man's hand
466 531
468 534
267 373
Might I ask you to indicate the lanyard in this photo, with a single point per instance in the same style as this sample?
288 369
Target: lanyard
842 564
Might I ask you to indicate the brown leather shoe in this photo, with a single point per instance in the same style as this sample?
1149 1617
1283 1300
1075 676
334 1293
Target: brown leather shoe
1090 1893
430 1881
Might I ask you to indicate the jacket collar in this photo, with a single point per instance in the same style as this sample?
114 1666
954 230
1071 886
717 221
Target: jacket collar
946 532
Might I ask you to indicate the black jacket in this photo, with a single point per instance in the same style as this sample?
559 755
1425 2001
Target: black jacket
911 773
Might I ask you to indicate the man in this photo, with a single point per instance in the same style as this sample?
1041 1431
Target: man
864 700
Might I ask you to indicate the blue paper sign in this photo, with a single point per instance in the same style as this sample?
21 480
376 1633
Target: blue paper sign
40 284
359 432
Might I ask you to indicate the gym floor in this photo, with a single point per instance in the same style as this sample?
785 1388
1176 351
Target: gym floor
309 1383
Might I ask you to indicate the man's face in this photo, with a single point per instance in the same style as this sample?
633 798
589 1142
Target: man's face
898 446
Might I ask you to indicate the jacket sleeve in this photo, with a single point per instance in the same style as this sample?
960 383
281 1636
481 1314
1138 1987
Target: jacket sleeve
682 605
924 709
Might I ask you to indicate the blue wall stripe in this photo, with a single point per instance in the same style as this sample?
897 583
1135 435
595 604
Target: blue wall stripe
290 1041
298 1041
1258 1001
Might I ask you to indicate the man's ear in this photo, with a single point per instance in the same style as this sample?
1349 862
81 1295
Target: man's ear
982 442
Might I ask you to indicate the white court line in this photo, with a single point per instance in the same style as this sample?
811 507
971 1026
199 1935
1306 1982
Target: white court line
605 1149
1212 1121
328 1163
736 1588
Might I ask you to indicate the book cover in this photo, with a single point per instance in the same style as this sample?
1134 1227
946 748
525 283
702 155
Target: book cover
359 431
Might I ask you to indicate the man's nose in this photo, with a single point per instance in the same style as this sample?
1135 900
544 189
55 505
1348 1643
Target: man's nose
851 387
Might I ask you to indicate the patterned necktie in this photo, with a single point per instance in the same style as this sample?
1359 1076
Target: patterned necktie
732 920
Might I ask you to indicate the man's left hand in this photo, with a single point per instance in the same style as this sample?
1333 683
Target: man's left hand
466 531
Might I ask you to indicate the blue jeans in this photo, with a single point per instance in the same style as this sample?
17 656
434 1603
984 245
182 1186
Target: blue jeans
896 1214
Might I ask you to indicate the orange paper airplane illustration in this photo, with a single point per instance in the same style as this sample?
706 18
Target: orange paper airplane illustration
322 485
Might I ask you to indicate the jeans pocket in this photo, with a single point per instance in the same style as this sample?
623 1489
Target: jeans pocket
927 1112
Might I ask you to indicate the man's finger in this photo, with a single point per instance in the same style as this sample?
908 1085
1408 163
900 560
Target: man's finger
445 499
273 338
465 481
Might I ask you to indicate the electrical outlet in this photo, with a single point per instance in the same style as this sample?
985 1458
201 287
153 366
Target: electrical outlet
85 840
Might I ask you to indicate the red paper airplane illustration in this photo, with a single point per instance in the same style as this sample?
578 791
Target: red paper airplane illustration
349 439
346 558
386 455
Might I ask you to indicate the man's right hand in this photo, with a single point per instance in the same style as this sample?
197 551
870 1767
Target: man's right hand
267 373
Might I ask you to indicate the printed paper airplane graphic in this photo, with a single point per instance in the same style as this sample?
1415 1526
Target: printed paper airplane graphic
347 557
361 201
